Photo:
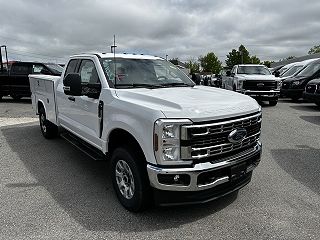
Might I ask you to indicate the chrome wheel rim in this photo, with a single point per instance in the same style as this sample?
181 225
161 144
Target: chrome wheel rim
124 179
42 120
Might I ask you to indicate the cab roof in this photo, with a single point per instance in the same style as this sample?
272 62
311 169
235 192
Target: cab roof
118 55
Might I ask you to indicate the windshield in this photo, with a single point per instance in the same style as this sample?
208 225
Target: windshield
292 71
132 73
55 68
309 70
260 70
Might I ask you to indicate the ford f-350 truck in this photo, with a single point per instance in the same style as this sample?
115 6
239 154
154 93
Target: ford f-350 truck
254 80
169 141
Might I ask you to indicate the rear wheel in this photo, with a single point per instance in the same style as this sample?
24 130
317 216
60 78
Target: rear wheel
295 99
273 102
48 129
130 179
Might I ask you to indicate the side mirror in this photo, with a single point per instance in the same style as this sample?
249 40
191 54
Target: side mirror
228 73
72 85
45 71
277 74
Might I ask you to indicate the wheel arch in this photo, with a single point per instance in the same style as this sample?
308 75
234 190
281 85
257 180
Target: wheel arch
120 137
40 104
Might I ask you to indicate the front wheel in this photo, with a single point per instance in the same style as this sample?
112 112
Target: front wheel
48 129
273 102
130 179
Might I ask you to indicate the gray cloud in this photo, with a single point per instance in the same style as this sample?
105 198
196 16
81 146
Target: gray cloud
53 30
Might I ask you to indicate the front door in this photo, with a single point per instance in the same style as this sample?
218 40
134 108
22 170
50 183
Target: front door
87 113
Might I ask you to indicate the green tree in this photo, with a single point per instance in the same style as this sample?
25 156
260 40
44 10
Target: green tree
193 65
267 63
315 49
240 56
210 63
255 60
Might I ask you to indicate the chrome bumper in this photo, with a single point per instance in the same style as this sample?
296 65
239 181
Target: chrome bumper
260 93
199 168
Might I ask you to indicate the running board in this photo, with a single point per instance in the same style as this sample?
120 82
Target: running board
92 152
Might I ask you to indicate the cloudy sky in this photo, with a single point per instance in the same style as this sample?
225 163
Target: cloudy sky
53 30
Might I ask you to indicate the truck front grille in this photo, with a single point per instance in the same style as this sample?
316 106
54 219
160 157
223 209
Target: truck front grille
211 139
259 85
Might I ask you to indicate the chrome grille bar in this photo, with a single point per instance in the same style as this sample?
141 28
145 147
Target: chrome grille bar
207 140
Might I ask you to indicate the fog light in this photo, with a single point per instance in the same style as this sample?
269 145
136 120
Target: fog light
174 179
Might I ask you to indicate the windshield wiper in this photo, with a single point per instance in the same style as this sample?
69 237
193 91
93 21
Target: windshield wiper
140 85
177 85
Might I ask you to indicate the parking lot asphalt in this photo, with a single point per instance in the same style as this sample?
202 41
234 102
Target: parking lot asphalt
50 190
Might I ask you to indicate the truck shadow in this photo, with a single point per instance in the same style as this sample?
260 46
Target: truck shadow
307 108
312 119
301 163
83 189
11 100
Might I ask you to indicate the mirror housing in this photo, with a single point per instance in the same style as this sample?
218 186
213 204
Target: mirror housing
277 74
72 84
228 73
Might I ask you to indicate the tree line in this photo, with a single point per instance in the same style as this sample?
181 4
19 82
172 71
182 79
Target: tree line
211 63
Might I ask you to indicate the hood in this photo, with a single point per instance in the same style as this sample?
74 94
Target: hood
199 103
314 81
257 77
293 79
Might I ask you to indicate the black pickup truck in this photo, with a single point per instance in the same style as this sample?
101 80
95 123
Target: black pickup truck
14 79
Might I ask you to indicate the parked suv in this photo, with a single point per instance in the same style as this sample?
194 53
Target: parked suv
254 80
294 87
312 91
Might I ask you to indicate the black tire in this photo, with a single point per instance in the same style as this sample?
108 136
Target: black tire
15 97
273 102
295 99
139 198
48 129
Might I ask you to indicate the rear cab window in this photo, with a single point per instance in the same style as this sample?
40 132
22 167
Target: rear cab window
21 69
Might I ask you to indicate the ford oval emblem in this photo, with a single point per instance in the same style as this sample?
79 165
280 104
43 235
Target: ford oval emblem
237 135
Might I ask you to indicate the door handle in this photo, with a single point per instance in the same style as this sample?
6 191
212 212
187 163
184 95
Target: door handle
72 99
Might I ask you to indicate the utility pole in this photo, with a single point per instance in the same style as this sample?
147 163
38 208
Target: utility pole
114 44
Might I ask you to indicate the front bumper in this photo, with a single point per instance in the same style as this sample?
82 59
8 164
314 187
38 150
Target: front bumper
292 93
312 97
272 94
207 175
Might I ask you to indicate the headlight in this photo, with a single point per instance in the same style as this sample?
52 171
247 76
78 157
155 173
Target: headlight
279 84
240 83
167 141
296 83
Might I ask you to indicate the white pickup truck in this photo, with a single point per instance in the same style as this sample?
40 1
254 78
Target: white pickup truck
169 141
254 80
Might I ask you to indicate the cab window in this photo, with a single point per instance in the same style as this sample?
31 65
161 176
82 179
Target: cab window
88 72
71 68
